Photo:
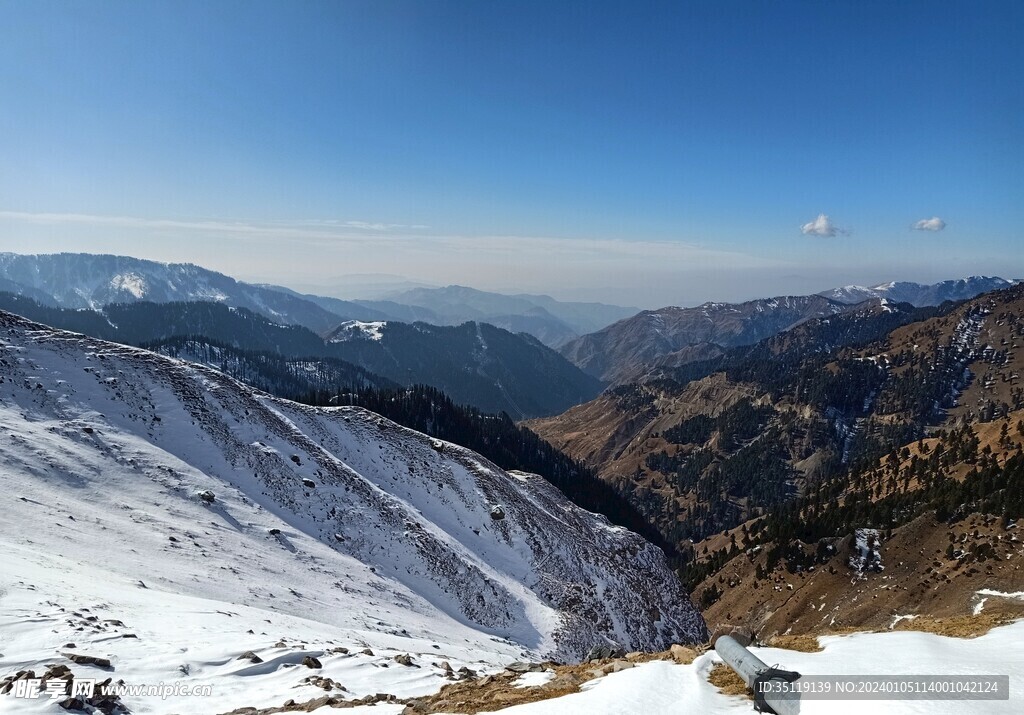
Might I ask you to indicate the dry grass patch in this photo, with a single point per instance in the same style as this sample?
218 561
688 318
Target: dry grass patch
728 681
959 626
802 643
473 696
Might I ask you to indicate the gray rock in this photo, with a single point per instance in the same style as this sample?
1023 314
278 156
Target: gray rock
87 660
604 652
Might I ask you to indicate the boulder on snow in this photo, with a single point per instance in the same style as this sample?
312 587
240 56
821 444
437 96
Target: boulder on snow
207 496
309 483
520 668
87 660
681 654
604 652
311 662
497 513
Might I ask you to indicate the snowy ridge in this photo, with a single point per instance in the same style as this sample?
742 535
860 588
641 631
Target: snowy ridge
76 280
358 330
920 294
321 514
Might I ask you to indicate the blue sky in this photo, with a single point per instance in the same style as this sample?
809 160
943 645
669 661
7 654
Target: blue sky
642 153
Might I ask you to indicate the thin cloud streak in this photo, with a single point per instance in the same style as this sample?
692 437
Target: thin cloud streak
294 228
415 239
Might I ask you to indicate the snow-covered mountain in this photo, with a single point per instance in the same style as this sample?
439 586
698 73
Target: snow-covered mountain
920 294
136 466
81 280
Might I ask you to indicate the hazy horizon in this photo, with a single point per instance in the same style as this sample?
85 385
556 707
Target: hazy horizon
381 286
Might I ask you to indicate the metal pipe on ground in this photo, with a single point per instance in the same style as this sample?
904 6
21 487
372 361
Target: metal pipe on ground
752 669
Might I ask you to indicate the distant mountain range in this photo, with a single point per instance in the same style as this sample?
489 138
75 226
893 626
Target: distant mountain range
673 336
475 363
920 294
551 321
623 350
610 343
78 280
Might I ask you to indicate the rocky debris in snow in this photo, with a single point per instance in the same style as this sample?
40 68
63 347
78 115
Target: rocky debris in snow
207 496
250 656
311 662
497 513
405 659
324 683
325 701
88 660
308 483
8 683
98 703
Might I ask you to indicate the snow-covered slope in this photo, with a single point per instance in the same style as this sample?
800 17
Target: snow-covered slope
337 516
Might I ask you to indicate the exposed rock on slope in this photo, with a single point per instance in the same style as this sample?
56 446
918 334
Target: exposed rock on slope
138 435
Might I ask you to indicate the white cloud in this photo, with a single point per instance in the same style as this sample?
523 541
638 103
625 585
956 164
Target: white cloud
822 226
930 224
